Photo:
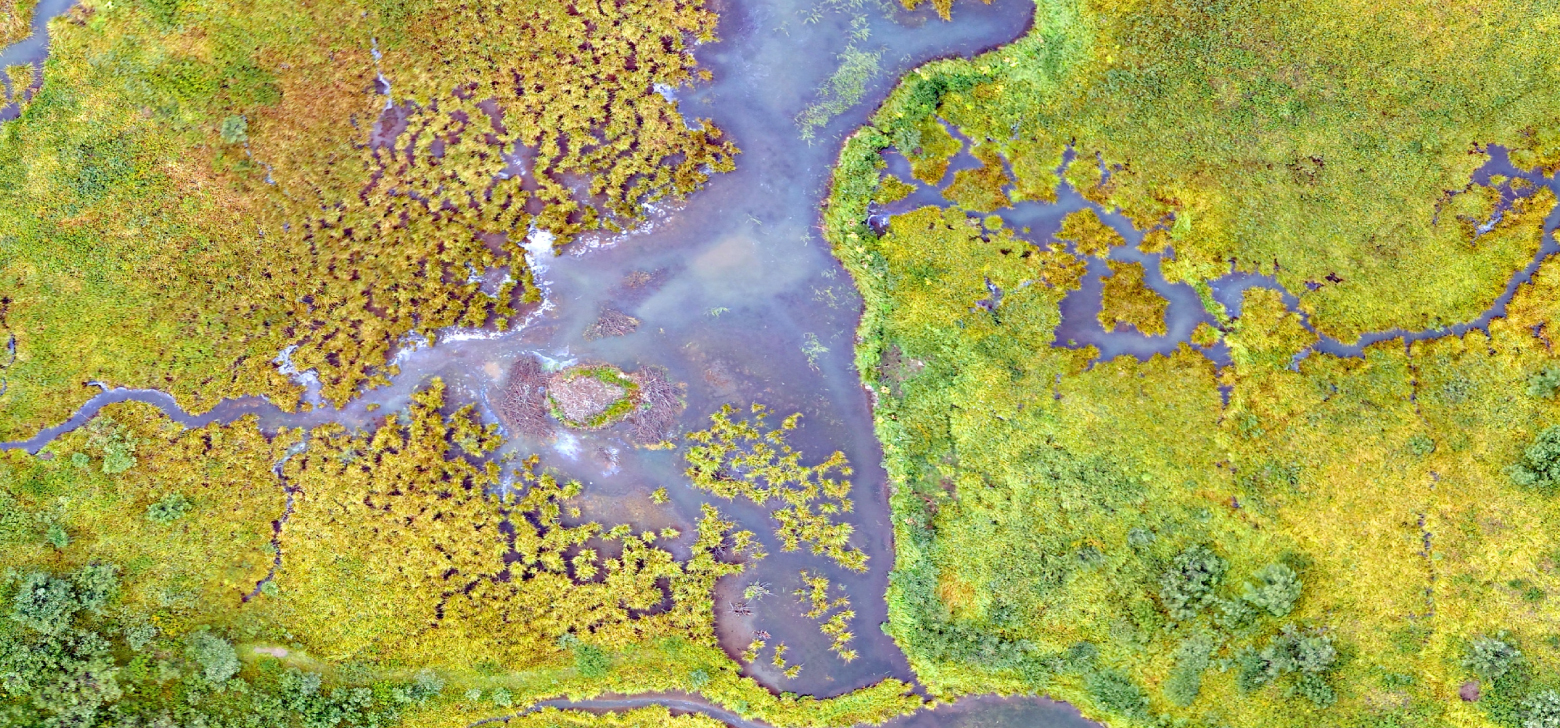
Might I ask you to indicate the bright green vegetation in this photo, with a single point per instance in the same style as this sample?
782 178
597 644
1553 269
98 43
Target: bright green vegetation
741 457
845 86
1272 133
203 184
410 590
815 594
1340 544
68 659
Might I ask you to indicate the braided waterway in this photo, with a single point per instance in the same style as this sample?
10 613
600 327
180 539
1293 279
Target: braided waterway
738 298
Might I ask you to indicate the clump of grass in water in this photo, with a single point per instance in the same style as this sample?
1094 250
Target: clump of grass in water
846 86
744 458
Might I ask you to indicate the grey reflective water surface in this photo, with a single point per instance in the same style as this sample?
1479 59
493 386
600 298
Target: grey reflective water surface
744 303
980 711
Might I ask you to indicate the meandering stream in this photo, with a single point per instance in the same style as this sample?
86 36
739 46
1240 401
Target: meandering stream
1080 325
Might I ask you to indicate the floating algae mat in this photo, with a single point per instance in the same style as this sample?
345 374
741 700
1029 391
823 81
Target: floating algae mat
777 363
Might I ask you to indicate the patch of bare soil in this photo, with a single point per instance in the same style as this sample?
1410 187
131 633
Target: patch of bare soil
894 368
611 323
523 404
582 398
1469 691
660 404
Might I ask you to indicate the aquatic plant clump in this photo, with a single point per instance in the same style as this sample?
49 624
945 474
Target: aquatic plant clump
1127 301
194 207
744 458
815 595
400 552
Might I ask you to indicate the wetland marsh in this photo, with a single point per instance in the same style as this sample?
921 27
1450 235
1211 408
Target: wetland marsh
672 363
734 299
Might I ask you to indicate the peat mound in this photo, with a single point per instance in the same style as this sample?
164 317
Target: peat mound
590 397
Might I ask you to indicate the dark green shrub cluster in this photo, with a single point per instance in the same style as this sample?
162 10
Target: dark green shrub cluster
1491 658
1539 467
1544 383
1308 656
111 440
1541 710
1191 659
1117 693
590 661
67 659
1188 587
1275 591
171 508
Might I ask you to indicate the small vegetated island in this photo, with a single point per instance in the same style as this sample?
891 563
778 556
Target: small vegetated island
1283 538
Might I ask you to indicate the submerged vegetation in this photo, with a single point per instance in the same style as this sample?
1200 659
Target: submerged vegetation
845 86
1294 538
